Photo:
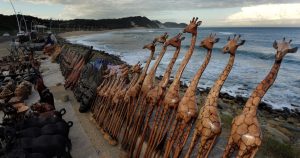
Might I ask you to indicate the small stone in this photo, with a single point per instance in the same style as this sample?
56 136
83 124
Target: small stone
294 105
291 120
66 98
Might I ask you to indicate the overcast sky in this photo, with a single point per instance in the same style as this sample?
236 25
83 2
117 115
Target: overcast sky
211 12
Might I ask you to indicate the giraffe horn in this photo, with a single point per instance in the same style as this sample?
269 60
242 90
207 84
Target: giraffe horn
234 36
215 34
196 19
228 38
210 35
290 41
238 37
283 38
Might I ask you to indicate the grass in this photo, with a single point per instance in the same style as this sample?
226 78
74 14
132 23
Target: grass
226 120
275 149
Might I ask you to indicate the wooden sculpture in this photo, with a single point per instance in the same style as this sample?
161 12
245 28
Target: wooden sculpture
120 76
104 94
208 124
156 93
115 122
137 116
171 99
245 132
141 106
132 92
133 95
187 108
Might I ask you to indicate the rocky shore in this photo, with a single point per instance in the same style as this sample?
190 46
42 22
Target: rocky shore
281 127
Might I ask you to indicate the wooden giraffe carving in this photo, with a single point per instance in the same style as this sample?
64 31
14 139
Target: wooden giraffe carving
171 99
132 94
147 85
156 92
116 120
245 131
208 124
187 108
120 110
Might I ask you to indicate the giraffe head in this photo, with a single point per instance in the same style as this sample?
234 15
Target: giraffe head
283 48
192 27
161 38
175 41
124 72
208 42
233 44
136 68
150 46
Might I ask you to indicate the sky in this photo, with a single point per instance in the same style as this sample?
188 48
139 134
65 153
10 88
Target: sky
219 13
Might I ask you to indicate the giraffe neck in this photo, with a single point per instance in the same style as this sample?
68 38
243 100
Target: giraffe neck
215 90
193 86
186 59
163 83
144 73
149 80
261 89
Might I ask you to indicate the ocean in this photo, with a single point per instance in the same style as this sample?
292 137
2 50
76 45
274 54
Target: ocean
253 60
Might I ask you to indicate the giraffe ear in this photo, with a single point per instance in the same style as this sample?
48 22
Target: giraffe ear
217 40
275 44
199 23
293 50
242 42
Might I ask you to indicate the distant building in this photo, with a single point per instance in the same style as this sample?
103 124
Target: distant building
6 34
39 27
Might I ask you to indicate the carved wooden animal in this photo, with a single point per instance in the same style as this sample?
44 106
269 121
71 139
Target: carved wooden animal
171 98
133 95
246 134
208 124
156 92
188 108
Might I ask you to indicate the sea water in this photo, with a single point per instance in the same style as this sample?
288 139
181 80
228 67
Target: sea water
253 60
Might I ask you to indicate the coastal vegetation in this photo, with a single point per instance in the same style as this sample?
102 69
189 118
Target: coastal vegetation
9 23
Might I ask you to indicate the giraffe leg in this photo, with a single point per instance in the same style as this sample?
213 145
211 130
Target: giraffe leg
253 153
242 151
192 145
205 146
210 145
140 145
182 140
229 148
158 129
173 138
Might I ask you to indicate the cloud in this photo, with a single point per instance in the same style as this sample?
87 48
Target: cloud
112 9
267 14
252 11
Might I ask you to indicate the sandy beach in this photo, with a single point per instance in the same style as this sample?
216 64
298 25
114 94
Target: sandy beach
82 33
79 33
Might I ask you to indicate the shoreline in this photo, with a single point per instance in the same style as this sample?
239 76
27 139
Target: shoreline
84 33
